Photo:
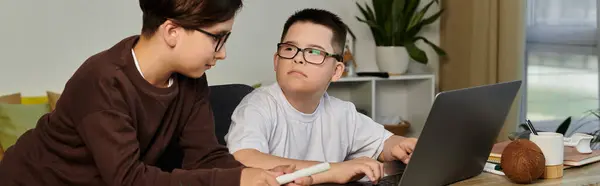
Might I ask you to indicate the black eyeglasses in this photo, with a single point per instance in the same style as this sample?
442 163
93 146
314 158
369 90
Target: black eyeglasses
220 38
311 55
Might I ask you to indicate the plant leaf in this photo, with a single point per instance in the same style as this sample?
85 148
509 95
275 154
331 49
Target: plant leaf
419 16
398 8
564 126
376 30
370 23
432 18
367 15
370 20
362 10
397 22
415 19
411 6
382 10
414 30
409 11
524 126
416 53
389 36
437 49
595 113
372 15
400 40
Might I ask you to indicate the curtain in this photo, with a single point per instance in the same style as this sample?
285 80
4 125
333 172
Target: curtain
485 42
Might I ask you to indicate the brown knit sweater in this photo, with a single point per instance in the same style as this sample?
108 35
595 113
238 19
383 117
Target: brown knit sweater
112 127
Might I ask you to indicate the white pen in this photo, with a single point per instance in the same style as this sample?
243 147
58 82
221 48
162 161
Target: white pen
315 169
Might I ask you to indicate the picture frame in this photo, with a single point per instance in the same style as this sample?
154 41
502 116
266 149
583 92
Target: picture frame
350 41
349 59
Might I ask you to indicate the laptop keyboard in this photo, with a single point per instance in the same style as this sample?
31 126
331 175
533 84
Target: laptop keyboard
391 180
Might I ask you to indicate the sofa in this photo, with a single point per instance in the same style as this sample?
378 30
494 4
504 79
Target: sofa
19 114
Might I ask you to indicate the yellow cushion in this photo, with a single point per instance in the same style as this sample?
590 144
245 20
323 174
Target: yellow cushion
1 153
11 99
52 99
16 119
30 100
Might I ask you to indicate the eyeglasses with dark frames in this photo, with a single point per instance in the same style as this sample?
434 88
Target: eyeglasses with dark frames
220 38
310 55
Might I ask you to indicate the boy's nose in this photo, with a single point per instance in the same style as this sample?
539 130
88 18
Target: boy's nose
221 54
299 58
298 61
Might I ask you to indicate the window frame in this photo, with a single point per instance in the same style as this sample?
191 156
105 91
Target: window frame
585 42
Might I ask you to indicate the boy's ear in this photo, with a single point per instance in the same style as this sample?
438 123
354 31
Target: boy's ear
275 62
339 71
170 33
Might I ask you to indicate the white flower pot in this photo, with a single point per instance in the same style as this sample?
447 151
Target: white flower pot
392 59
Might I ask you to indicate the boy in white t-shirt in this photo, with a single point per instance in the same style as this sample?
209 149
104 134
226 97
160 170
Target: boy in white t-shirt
295 121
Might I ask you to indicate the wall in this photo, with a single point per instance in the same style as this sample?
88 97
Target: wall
43 43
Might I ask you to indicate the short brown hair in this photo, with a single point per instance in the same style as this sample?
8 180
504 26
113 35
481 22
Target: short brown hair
188 14
321 17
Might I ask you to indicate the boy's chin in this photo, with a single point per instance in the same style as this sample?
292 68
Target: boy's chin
299 87
194 74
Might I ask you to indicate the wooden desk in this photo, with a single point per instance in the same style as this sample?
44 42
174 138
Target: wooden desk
584 175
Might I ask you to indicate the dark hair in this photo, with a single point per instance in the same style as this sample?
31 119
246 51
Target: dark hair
321 17
188 14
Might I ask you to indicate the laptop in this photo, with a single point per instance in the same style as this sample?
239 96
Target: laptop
458 136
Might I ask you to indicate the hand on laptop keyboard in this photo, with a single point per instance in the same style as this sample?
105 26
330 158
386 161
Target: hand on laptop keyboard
392 180
352 170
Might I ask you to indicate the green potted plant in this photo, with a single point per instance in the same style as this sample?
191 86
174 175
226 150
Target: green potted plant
395 25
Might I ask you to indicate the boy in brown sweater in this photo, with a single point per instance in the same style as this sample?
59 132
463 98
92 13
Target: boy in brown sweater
128 109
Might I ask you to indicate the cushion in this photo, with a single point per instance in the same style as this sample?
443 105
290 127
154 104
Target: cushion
1 153
32 100
52 99
16 119
11 99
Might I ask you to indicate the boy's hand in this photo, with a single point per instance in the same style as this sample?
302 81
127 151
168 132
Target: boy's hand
258 177
355 169
286 169
403 150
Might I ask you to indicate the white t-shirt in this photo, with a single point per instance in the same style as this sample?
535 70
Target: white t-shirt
335 132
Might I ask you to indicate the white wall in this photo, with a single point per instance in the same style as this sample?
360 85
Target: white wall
43 42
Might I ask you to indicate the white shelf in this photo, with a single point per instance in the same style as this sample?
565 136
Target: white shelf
409 96
399 77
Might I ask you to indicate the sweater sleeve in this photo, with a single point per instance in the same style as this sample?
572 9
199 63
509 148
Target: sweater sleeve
198 141
112 141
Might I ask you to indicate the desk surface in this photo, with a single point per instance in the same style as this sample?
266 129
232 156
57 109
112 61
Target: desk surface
584 175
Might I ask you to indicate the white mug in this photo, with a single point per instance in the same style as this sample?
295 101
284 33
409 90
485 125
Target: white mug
552 145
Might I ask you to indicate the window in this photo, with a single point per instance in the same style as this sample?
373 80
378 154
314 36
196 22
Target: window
561 60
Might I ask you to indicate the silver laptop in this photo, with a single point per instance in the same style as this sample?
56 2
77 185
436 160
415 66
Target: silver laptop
459 133
457 137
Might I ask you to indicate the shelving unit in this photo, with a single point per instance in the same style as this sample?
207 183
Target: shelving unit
408 96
